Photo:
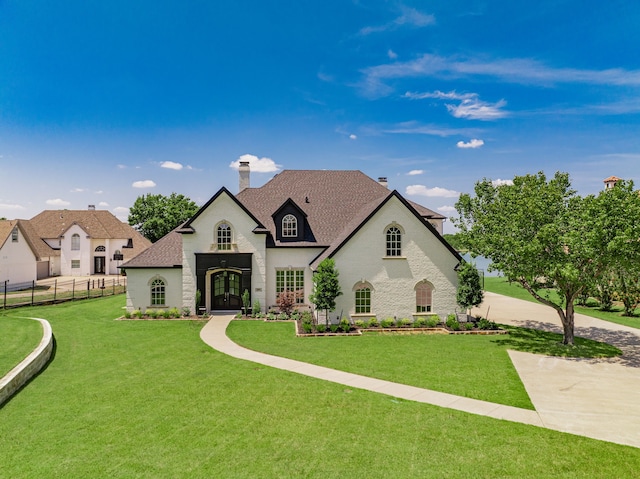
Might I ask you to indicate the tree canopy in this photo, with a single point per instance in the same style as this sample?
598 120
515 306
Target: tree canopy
469 288
326 287
541 234
156 215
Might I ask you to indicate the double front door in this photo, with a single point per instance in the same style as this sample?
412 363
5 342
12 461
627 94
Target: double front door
226 290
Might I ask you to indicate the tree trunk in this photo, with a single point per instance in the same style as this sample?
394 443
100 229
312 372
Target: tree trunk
567 319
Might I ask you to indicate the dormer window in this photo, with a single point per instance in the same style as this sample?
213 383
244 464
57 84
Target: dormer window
289 226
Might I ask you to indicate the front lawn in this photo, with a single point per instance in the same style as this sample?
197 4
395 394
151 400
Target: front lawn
18 337
148 399
500 285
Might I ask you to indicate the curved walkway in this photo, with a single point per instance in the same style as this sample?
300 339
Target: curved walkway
565 392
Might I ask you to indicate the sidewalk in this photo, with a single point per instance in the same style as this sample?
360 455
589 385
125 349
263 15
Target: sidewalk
593 398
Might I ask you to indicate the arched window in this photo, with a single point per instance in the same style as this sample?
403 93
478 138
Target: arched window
157 292
424 297
75 242
289 226
362 297
394 242
223 237
100 249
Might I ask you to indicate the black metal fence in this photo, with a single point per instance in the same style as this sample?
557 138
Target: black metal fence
34 293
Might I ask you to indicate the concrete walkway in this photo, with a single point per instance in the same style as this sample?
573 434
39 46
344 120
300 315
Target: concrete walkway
567 394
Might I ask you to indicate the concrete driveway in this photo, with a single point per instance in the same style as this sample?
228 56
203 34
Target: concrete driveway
598 398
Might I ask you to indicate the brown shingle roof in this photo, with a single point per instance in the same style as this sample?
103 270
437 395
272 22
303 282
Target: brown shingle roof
164 253
39 247
331 200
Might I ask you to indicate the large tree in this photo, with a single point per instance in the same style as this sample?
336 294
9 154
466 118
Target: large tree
544 236
156 215
326 287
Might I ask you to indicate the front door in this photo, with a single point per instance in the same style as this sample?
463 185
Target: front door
226 290
98 264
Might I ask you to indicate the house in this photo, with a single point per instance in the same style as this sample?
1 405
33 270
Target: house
66 242
389 252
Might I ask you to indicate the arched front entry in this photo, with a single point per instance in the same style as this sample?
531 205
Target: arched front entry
226 289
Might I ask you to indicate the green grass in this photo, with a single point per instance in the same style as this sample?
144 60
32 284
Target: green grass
500 285
18 337
148 399
465 365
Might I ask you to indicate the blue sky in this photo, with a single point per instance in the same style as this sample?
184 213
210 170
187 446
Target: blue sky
101 102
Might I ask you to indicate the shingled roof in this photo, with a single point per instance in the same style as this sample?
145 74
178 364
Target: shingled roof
335 202
331 199
38 246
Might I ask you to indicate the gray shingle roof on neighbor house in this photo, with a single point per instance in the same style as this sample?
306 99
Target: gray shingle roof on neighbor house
335 202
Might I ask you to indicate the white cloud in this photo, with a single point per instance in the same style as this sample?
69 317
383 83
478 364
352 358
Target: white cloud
440 95
436 192
121 210
258 165
143 184
446 209
78 190
500 182
411 127
57 202
415 172
510 70
99 192
474 109
171 165
409 16
474 143
391 54
121 167
103 204
353 137
12 207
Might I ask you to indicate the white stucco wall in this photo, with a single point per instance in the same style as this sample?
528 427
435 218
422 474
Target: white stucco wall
17 261
393 280
285 258
67 255
204 240
139 288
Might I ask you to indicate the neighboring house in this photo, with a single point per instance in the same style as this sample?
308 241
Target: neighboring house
66 242
391 258
18 256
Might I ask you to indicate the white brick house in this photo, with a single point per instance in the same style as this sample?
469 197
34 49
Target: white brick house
391 257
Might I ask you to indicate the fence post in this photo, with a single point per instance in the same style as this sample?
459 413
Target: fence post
4 302
33 288
73 290
55 289
88 289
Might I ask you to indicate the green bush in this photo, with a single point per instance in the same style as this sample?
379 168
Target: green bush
468 326
452 322
373 322
271 316
334 328
152 313
360 323
307 327
592 303
404 323
486 324
186 312
345 325
127 314
282 316
432 321
174 313
321 328
387 323
137 313
420 322
257 307
166 314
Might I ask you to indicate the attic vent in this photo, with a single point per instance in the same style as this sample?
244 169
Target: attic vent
306 199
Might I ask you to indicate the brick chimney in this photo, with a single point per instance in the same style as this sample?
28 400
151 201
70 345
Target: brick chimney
244 173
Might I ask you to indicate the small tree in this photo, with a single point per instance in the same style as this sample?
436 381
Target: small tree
246 301
286 300
326 287
470 292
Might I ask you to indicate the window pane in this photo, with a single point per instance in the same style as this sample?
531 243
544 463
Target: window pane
75 242
363 300
224 237
157 292
394 242
423 297
289 226
291 280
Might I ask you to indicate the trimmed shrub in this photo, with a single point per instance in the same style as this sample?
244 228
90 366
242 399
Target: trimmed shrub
321 328
468 326
373 322
360 323
137 313
345 325
387 323
334 328
404 323
152 313
307 327
432 321
453 323
257 307
186 312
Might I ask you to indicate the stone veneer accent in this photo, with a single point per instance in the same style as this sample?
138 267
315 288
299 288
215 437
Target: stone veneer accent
30 366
